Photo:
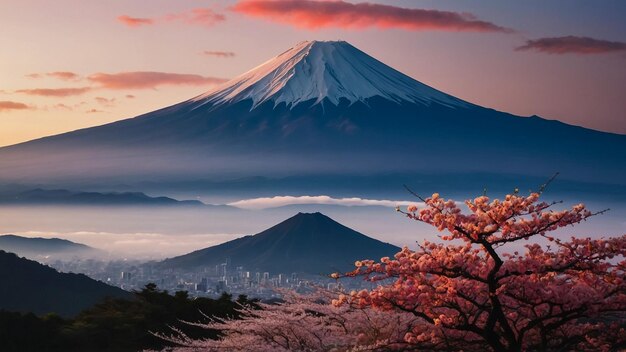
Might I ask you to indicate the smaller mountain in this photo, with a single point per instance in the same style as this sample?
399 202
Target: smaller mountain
310 243
41 196
42 247
27 286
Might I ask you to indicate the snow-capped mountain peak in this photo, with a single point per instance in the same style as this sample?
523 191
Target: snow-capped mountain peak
316 70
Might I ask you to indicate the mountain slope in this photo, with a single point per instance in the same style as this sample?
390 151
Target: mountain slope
305 243
319 108
28 286
29 247
318 71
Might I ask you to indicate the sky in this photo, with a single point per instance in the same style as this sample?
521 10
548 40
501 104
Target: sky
70 64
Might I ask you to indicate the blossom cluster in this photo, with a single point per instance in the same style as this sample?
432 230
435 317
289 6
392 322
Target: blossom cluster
476 295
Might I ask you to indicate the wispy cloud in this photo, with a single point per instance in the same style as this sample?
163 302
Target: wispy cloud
311 14
94 111
122 80
62 106
572 45
55 92
201 16
148 80
105 102
279 201
142 245
62 75
218 53
135 21
13 105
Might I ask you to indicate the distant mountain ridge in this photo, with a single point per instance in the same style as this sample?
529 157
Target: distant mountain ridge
30 247
28 286
65 197
309 243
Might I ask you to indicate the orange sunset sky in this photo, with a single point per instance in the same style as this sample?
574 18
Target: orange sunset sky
70 64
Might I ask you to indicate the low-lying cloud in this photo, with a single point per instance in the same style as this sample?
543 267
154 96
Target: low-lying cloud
140 245
280 201
149 80
312 14
572 45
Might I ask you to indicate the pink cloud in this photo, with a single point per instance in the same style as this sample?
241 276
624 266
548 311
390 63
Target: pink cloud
200 16
55 92
104 101
130 96
310 14
13 105
218 53
94 111
147 80
572 45
64 75
135 21
62 106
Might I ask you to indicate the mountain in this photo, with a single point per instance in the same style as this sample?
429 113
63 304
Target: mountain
40 196
319 108
35 247
28 286
305 243
314 72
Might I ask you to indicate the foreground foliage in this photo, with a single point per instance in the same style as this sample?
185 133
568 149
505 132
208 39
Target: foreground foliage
301 323
485 291
115 324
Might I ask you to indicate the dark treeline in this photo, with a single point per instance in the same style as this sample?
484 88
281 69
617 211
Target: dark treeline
115 324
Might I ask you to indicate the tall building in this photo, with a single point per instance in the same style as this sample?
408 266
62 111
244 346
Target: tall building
126 276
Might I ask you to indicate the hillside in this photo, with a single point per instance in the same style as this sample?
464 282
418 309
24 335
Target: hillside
29 247
27 286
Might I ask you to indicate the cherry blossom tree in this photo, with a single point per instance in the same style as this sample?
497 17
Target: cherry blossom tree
302 323
479 289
